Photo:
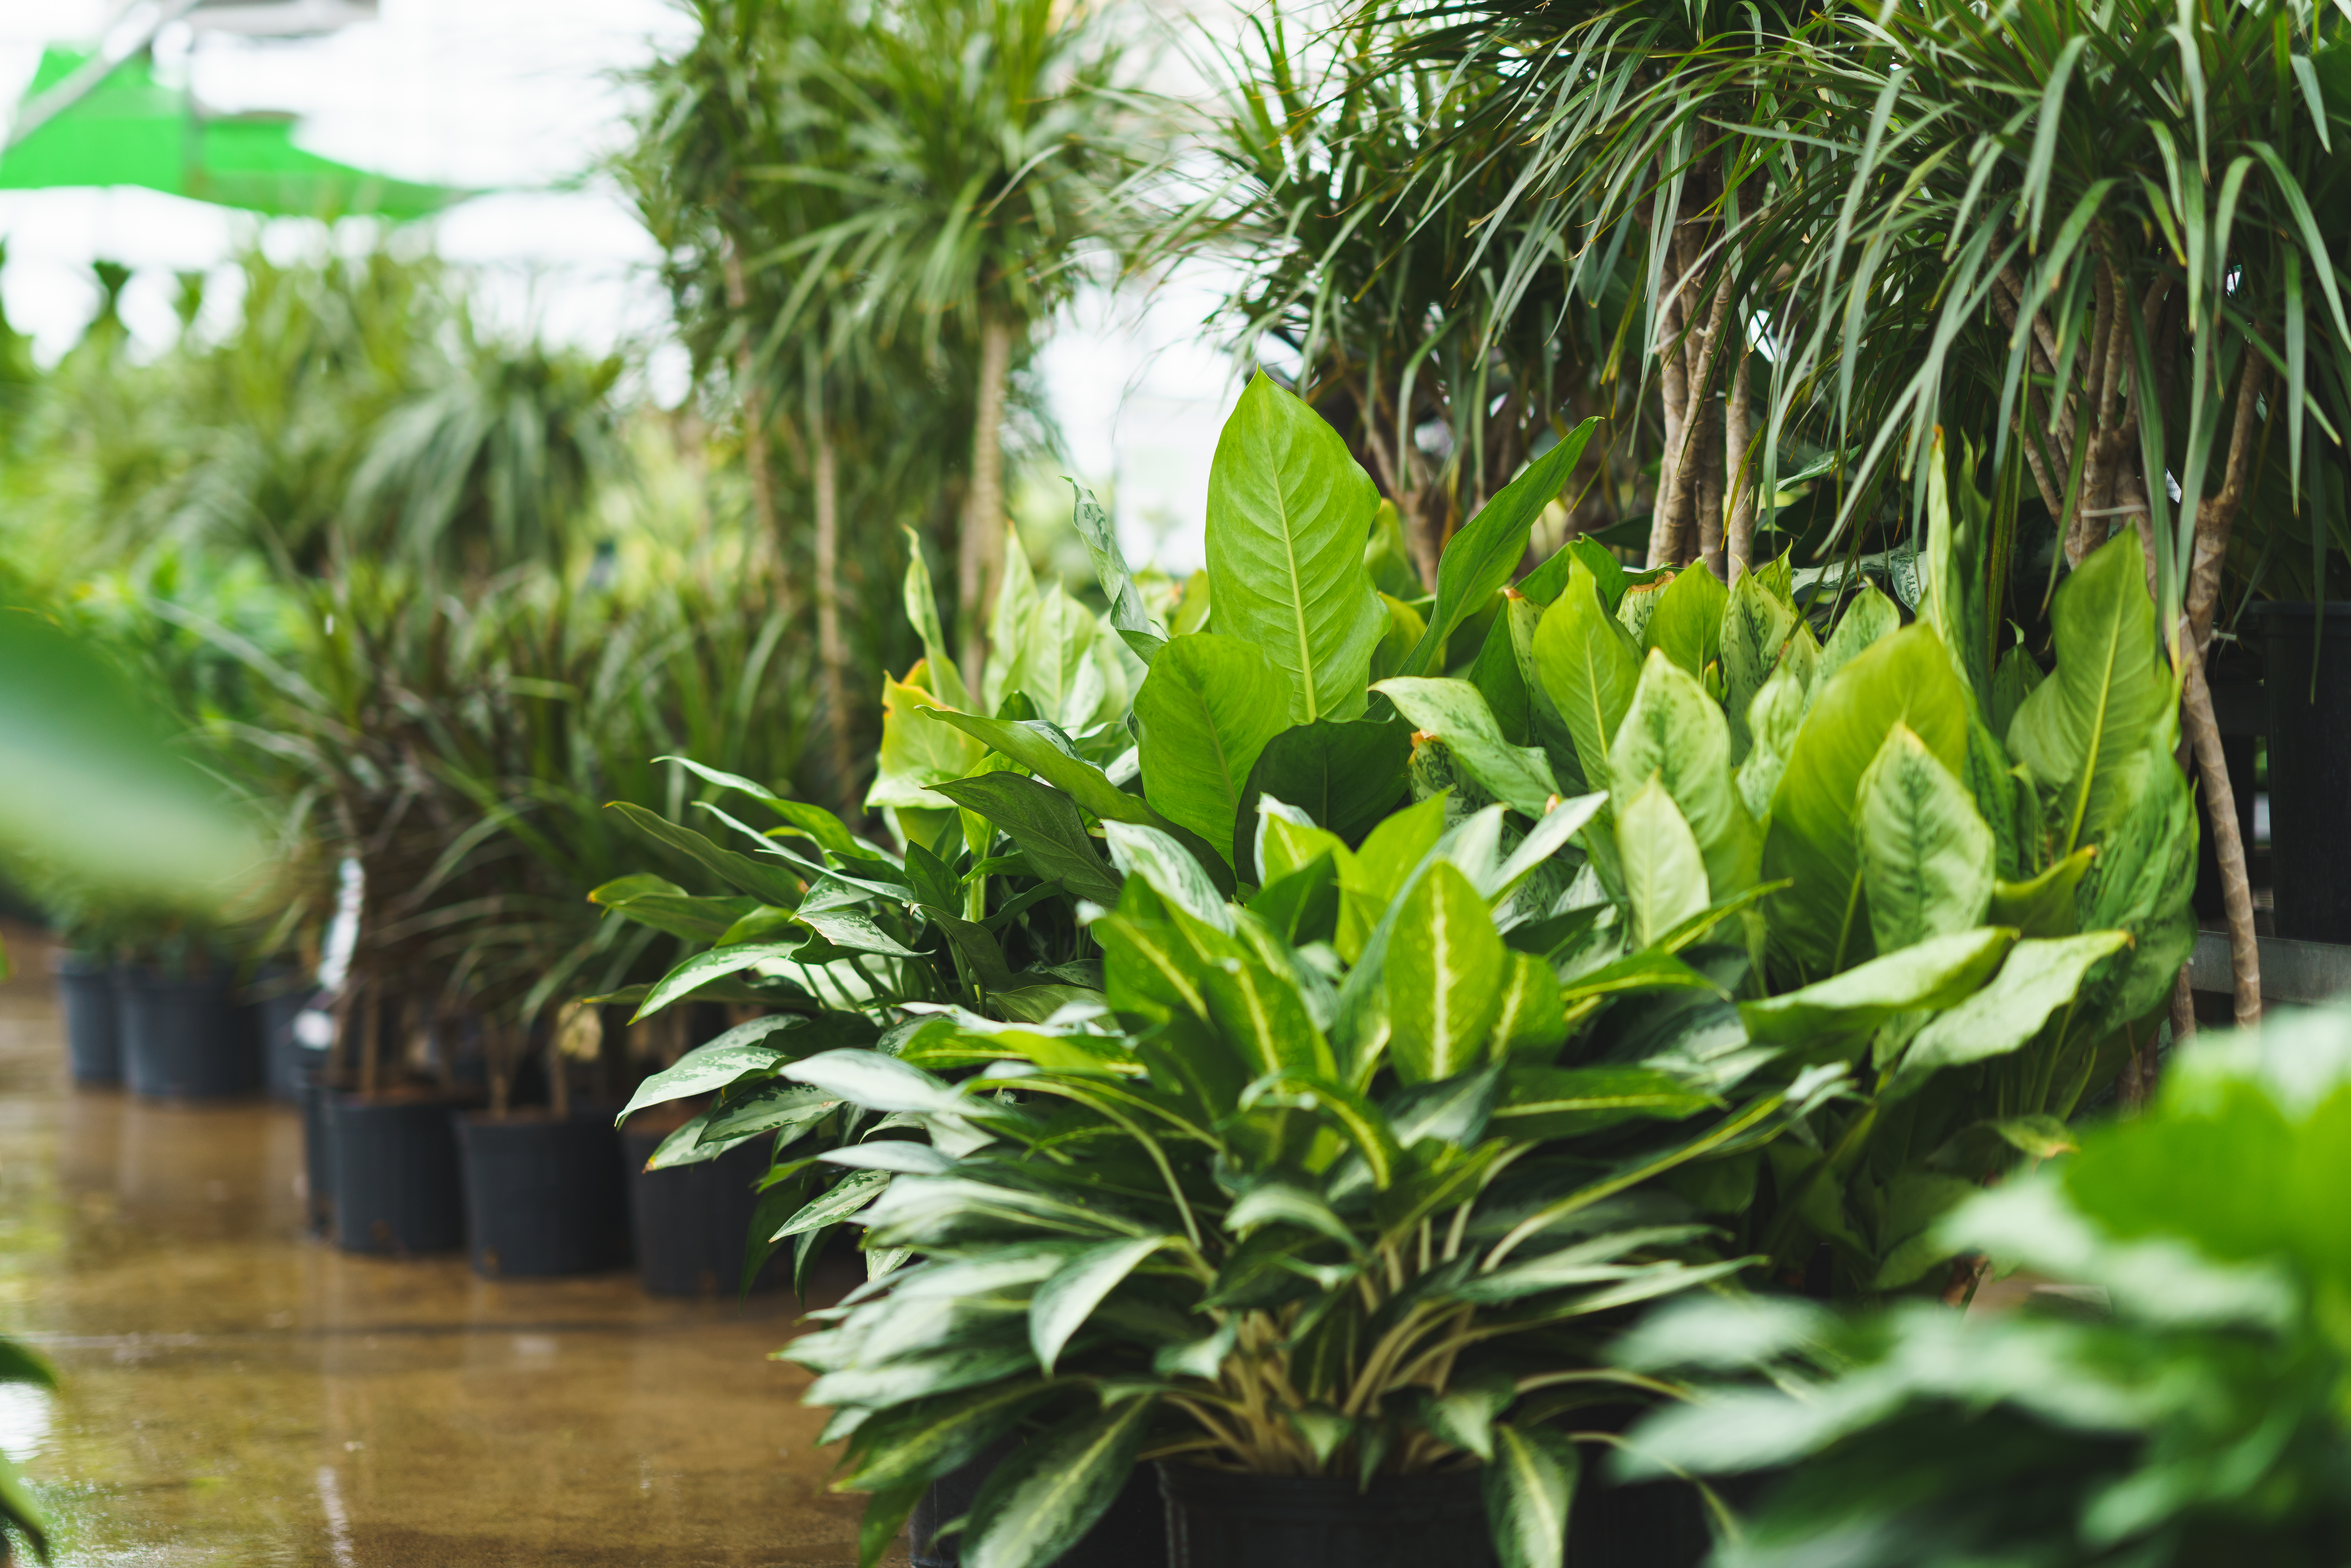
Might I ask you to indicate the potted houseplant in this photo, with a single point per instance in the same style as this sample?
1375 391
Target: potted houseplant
1333 1240
183 1035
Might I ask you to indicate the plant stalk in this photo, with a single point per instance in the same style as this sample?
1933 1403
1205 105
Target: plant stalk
979 555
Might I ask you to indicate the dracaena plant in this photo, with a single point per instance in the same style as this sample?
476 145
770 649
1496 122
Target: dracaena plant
1272 1207
2182 1402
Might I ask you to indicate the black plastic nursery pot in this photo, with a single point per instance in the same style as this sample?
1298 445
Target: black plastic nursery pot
275 999
1224 1518
185 1038
397 1189
1133 1534
88 990
691 1221
2307 673
318 1103
542 1196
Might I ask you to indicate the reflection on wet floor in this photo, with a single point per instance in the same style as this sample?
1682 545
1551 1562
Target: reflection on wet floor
236 1394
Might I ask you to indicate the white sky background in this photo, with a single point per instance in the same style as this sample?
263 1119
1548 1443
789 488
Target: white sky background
516 97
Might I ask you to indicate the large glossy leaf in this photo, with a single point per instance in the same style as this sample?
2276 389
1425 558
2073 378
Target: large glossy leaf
665 906
1037 1504
2037 978
1754 626
1288 510
919 1443
1561 1102
1046 825
1932 974
1084 782
777 1108
1064 1302
853 931
2047 905
1773 720
1676 733
1203 715
1869 618
1447 970
918 749
1528 1486
1925 855
1453 711
1484 556
1819 923
1664 871
1128 615
1686 623
814 820
702 968
946 682
713 1066
845 1197
1588 667
1053 663
2083 727
1171 870
1345 775
879 1081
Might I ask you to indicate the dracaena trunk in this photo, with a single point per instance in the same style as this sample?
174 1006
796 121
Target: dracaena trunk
979 557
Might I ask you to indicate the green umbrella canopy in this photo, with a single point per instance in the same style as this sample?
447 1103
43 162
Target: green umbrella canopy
132 131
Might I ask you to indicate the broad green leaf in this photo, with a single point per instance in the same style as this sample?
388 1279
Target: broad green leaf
1773 720
1264 1015
2110 695
769 883
1054 663
1755 625
1588 667
1345 775
1563 1102
675 910
845 1197
1287 1203
1046 825
918 747
712 1066
1529 1488
1532 1021
2047 905
2016 679
1925 856
1288 840
1464 1414
1819 923
879 1081
702 968
1040 1501
2037 978
1128 614
883 1525
926 1377
1664 872
1675 733
1370 880
1869 618
1640 602
1288 510
918 1443
1496 676
685 1147
1520 777
854 931
1398 637
1171 870
1686 622
1932 974
1205 713
1484 555
1064 1302
1447 970
1009 626
2142 881
777 1108
1550 835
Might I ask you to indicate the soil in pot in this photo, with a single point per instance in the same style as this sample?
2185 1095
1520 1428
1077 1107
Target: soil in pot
182 1039
1224 1518
1133 1534
2307 678
88 990
692 1221
543 1195
397 1189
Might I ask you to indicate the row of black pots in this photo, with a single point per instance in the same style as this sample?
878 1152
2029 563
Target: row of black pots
525 1195
173 1036
1177 1515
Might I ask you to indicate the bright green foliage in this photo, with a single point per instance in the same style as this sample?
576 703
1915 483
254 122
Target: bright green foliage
2193 1415
1202 718
1925 856
1288 513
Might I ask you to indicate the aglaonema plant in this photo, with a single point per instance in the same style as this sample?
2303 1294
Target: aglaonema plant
1283 1201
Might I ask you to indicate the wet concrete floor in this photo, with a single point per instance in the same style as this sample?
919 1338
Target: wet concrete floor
233 1392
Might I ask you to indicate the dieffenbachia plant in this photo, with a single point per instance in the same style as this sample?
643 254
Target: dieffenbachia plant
1332 1181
